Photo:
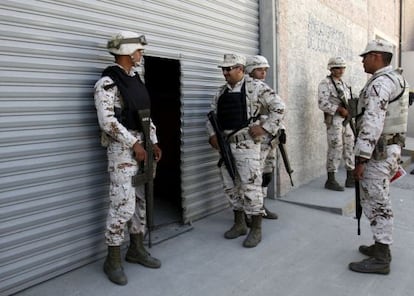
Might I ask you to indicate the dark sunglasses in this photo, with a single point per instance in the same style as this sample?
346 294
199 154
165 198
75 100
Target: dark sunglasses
228 69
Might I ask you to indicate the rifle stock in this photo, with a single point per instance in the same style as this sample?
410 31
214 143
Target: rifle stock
145 174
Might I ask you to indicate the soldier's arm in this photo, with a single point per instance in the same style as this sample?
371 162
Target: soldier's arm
276 108
105 106
324 101
372 121
213 107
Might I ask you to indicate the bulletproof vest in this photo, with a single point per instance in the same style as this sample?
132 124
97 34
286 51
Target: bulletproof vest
232 110
396 117
134 94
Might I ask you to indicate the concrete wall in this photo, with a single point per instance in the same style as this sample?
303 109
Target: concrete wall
408 26
407 63
309 33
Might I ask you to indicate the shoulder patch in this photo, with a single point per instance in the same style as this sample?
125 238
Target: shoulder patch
375 90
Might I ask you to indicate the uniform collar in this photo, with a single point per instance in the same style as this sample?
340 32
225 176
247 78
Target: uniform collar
385 69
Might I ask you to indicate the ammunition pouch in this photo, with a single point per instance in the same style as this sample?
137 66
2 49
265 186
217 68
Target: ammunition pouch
380 150
239 137
353 107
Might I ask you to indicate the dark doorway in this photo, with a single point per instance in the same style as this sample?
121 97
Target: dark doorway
162 78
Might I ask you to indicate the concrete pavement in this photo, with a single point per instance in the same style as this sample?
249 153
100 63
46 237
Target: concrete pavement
305 252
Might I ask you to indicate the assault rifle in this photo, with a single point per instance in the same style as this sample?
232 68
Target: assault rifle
145 174
348 120
225 150
345 104
358 207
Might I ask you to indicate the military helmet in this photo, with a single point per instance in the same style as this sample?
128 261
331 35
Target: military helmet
125 43
230 59
254 62
336 62
378 45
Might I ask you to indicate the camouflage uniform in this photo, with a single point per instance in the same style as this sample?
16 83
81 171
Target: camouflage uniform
340 138
375 196
247 195
127 203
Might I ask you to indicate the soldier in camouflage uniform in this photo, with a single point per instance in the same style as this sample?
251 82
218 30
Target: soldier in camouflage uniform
238 105
256 67
340 137
381 124
119 94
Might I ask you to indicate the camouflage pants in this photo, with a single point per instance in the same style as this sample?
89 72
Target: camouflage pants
375 194
247 194
268 156
126 202
340 145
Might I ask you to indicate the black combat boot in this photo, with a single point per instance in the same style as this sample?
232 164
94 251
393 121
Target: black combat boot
379 263
350 181
239 227
137 254
113 268
255 234
332 184
269 214
369 251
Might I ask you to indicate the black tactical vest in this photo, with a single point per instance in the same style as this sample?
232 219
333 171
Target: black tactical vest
232 110
134 94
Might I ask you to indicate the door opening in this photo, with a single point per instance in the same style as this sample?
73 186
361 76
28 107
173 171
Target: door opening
162 79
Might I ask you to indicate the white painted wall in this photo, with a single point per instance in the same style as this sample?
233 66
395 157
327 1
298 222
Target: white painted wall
407 63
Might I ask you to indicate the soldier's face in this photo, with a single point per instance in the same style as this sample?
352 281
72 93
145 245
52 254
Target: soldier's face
233 74
259 73
136 57
337 72
369 62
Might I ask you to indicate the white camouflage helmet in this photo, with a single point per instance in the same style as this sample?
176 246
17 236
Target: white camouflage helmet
336 62
125 43
254 62
378 45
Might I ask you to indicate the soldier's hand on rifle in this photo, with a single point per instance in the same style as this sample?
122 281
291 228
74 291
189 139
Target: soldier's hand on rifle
213 142
157 152
139 152
359 168
342 111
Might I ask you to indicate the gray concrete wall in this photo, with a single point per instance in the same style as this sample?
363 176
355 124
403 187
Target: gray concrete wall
407 63
408 26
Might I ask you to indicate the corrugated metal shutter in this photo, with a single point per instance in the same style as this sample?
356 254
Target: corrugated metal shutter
53 182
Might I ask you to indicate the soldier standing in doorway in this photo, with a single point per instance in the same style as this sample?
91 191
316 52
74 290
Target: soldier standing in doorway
332 91
237 105
119 94
381 125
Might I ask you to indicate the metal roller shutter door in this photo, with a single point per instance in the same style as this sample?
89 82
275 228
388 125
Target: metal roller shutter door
53 182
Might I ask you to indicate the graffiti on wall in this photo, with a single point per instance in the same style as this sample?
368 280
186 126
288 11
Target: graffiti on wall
326 38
